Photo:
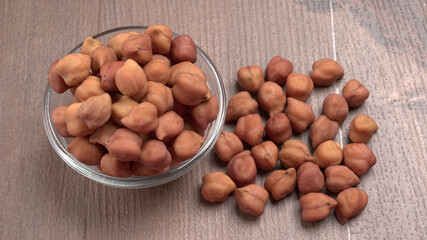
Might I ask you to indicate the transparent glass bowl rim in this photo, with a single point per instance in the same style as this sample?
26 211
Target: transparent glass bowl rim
139 182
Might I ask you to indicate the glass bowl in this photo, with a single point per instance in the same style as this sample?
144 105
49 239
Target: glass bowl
59 143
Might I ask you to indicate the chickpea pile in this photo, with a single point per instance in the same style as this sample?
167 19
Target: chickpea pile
140 104
331 166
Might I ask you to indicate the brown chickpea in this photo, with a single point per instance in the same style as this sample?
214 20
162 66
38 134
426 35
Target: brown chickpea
100 56
227 146
103 134
58 119
358 157
335 108
300 114
205 112
157 71
271 98
131 80
242 169
142 118
281 183
240 105
351 202
251 199
86 152
339 178
116 43
278 128
73 68
56 82
125 145
183 49
322 130
326 71
184 67
122 108
170 126
161 38
355 93
186 145
111 166
250 78
155 155
265 155
190 89
160 96
90 44
137 47
294 153
75 125
96 110
108 75
310 178
217 186
278 70
327 154
362 127
90 87
316 206
299 86
250 129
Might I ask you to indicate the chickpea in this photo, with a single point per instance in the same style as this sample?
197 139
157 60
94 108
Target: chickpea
155 155
227 146
108 75
299 86
186 145
251 199
310 178
217 186
281 183
335 108
90 87
265 155
250 129
355 93
250 78
294 153
160 96
278 128
242 169
56 82
161 38
358 157
240 105
190 89
351 202
339 178
96 110
362 127
111 166
205 112
85 152
58 119
73 68
316 206
183 49
278 70
322 130
131 80
326 72
125 145
327 154
138 48
300 114
142 118
170 126
271 98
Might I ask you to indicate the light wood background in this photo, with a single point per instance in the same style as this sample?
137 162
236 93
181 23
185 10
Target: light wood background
381 43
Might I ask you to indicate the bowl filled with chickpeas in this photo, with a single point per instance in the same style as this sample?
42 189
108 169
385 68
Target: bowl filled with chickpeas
134 107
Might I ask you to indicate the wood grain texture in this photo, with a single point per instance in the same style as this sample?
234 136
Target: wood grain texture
381 43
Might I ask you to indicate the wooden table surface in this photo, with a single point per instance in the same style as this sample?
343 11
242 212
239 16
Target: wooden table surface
381 43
